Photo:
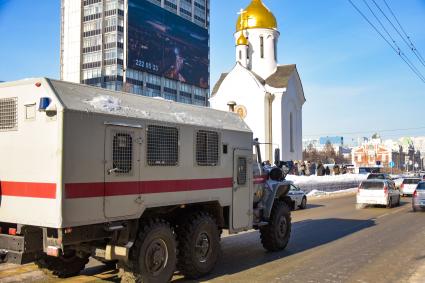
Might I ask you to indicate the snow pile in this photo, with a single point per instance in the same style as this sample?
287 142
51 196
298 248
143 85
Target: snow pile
106 103
327 183
317 193
326 179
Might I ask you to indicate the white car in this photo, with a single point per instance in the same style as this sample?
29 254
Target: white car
378 192
298 197
408 186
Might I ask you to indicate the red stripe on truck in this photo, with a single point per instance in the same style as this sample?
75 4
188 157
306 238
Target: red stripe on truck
85 190
31 190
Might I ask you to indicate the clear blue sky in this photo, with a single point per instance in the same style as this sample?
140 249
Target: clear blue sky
353 81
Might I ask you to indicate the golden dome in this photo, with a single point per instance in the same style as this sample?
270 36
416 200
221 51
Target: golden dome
242 40
256 15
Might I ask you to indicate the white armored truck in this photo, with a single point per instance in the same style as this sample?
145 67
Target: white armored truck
146 183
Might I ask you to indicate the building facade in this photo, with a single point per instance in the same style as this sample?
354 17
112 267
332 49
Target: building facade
157 48
268 96
372 153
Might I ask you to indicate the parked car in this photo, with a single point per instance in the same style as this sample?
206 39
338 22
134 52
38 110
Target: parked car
298 197
418 200
408 186
381 176
378 192
398 181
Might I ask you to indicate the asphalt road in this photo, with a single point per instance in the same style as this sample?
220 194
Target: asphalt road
331 241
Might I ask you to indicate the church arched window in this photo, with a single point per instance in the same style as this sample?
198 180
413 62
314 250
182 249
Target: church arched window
240 54
275 48
262 46
291 132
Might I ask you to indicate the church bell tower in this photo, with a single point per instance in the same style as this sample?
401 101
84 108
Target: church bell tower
257 35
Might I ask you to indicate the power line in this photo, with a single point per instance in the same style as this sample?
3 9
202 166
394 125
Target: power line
398 52
367 131
402 37
413 47
397 47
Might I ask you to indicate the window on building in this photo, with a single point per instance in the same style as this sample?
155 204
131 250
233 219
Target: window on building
92 25
92 73
207 148
110 22
93 9
291 132
261 46
92 41
122 152
92 57
162 146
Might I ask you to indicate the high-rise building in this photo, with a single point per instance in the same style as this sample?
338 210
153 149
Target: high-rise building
147 47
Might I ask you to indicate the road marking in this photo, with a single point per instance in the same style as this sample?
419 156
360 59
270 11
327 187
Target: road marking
390 213
397 210
383 215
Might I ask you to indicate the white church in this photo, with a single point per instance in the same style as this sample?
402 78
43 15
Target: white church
268 96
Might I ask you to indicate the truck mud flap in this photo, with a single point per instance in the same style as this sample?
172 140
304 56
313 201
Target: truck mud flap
20 249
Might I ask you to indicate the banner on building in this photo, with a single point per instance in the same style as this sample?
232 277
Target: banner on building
165 44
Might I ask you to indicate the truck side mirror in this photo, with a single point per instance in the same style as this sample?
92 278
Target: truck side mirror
277 156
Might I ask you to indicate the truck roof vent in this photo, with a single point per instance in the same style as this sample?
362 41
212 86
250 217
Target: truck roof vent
8 114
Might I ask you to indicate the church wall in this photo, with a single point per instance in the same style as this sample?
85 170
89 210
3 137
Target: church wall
278 125
242 88
266 66
291 104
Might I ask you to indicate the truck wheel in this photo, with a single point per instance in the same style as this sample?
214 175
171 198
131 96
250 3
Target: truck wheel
199 245
154 254
64 266
275 235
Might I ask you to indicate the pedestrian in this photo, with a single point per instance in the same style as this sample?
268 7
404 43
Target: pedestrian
307 168
313 168
296 171
327 171
336 169
303 169
320 169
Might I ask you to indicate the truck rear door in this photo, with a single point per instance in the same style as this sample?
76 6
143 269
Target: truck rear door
122 170
242 189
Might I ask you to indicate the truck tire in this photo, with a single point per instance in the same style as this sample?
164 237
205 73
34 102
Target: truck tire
63 266
275 235
154 254
199 245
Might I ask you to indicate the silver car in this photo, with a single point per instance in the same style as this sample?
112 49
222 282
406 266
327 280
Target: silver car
377 192
418 200
298 197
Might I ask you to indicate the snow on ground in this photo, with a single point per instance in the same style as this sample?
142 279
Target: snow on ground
317 193
326 179
327 183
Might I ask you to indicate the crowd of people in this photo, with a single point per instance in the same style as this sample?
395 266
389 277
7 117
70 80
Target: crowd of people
308 168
